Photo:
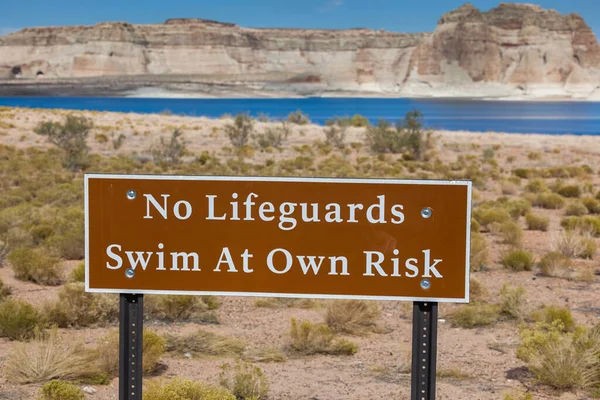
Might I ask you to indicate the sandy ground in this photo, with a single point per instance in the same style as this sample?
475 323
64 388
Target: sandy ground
486 356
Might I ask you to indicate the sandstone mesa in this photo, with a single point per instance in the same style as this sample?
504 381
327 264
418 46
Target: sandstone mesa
517 51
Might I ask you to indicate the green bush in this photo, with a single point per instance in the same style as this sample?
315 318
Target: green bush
584 224
536 186
551 201
479 252
19 320
488 216
576 209
537 222
298 118
184 389
551 314
408 136
78 273
569 191
70 137
560 359
511 233
518 260
61 390
169 153
34 265
358 121
592 205
240 132
77 308
475 315
244 380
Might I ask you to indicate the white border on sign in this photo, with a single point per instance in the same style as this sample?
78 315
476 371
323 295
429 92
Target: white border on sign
282 179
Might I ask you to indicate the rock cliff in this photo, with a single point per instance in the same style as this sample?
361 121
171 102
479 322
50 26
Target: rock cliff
511 50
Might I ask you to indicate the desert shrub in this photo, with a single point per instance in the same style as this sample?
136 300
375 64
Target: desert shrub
61 390
352 316
474 315
408 136
359 121
477 291
46 358
511 233
34 265
558 359
78 273
569 191
554 263
77 308
240 132
518 260
536 222
19 320
176 308
117 142
475 227
513 302
479 252
508 188
575 208
184 389
575 244
307 338
592 205
68 240
518 396
336 136
487 216
551 201
515 208
244 380
536 186
551 314
70 137
273 137
587 224
298 118
107 352
205 343
169 153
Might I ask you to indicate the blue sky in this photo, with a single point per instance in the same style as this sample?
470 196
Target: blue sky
392 15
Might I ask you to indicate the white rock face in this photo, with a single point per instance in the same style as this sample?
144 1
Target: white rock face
511 50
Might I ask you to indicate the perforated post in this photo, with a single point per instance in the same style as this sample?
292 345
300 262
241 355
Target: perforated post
424 351
131 331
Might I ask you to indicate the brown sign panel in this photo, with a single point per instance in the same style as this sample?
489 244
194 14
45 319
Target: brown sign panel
292 237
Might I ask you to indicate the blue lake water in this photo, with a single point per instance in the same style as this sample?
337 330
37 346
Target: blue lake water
580 118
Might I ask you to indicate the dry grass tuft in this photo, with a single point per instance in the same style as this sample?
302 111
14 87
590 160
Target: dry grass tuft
477 291
264 355
244 380
475 315
179 308
180 389
513 302
47 358
537 222
356 317
204 342
307 338
286 302
574 244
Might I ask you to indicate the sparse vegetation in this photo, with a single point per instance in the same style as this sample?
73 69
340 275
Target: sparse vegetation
169 152
513 302
479 252
184 389
19 320
537 222
244 380
241 131
307 338
518 260
352 316
202 342
69 136
61 390
475 315
34 265
176 308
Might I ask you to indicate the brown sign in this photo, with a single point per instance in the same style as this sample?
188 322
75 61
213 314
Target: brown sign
293 237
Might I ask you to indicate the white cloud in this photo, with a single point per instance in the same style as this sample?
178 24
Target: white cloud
6 31
330 5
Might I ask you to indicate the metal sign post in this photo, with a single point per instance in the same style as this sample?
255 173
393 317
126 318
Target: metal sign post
131 332
424 349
